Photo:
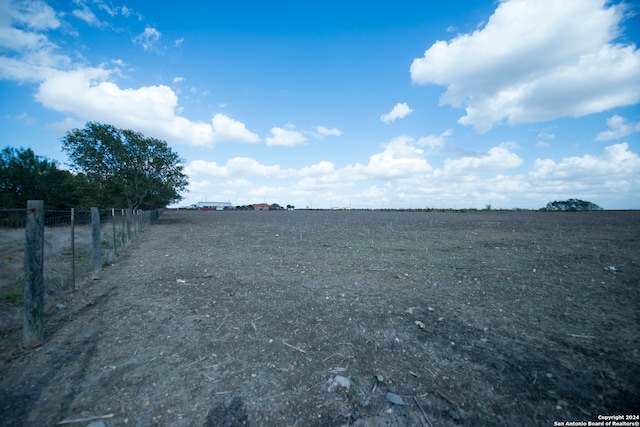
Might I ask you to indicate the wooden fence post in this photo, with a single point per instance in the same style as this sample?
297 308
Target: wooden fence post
113 223
33 331
128 220
123 233
73 248
97 244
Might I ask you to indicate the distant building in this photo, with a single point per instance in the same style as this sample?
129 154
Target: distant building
261 207
214 206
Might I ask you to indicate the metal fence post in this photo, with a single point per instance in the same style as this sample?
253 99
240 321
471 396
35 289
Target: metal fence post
33 331
97 244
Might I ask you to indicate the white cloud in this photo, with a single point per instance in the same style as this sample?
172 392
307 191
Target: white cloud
34 14
496 159
88 94
398 159
85 14
245 166
110 9
470 181
400 111
65 125
227 129
238 183
178 42
331 181
125 11
23 117
616 162
375 192
16 39
33 66
197 169
435 142
535 61
148 39
31 54
320 132
546 135
614 174
285 137
619 127
236 167
178 79
322 168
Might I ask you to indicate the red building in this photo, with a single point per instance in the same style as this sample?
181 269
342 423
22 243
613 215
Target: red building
261 207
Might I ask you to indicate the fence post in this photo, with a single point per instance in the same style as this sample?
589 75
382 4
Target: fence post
97 244
128 220
33 331
113 223
73 248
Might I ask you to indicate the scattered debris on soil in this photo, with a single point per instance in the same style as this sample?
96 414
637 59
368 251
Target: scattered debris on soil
322 318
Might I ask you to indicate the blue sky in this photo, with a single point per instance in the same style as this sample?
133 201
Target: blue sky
359 104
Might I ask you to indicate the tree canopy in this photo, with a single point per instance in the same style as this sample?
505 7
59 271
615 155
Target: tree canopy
124 168
572 205
25 176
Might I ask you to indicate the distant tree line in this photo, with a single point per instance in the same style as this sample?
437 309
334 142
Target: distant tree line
27 176
572 205
110 167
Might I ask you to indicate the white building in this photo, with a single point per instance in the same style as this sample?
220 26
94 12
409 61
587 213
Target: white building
214 206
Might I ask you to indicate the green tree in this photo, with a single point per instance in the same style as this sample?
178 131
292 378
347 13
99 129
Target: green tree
26 176
572 205
124 168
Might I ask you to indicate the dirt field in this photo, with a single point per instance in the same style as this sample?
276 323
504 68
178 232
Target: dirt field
311 318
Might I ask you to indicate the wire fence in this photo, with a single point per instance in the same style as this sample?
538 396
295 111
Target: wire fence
76 244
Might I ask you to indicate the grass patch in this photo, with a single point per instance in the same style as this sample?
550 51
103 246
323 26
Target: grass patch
14 297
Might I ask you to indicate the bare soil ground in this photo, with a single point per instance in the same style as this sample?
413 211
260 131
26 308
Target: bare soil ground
244 318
